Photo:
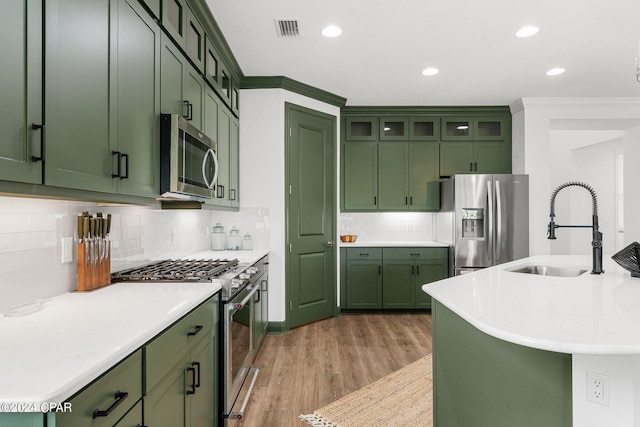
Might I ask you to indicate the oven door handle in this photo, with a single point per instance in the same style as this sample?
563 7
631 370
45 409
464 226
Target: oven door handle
233 307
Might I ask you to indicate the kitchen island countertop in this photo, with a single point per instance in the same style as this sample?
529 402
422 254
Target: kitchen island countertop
588 314
73 338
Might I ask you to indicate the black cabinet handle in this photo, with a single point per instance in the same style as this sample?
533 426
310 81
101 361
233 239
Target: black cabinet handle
126 167
43 141
475 166
220 191
375 200
189 107
471 166
415 254
412 270
379 270
197 329
417 269
406 200
197 365
258 296
119 397
364 254
411 200
119 168
193 380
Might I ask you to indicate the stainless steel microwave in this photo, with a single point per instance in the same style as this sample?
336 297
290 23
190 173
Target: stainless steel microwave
188 160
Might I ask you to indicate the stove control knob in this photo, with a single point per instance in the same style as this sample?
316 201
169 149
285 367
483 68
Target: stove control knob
235 283
252 270
244 276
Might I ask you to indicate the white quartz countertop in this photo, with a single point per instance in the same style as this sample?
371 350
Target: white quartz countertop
49 355
393 244
588 314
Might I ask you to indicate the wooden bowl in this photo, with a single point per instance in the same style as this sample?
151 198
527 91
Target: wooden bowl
348 238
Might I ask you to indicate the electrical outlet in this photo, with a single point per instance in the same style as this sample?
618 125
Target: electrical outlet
597 388
408 227
67 250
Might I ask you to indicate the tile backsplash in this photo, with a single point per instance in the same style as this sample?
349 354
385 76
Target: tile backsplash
31 231
388 226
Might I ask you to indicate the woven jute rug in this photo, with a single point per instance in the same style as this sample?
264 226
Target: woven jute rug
403 398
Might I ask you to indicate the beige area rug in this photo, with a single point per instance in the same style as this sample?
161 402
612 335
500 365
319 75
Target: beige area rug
403 398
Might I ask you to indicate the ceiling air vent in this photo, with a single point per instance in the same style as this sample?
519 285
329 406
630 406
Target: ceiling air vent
287 28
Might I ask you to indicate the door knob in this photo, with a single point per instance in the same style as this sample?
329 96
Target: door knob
330 243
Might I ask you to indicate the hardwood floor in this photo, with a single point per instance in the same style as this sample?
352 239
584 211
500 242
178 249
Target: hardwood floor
318 363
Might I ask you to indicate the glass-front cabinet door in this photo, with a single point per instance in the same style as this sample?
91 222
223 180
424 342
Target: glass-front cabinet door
394 128
361 128
424 128
457 128
489 128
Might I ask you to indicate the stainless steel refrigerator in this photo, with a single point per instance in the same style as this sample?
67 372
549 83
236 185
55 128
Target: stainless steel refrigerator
490 219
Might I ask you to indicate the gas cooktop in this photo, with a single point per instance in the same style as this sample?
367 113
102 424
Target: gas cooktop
201 270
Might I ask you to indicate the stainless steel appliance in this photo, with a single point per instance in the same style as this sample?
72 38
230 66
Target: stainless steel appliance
188 160
241 287
490 219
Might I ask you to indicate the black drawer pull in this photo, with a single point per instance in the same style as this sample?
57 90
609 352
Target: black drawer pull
415 254
119 398
197 365
126 167
193 381
417 269
364 254
195 331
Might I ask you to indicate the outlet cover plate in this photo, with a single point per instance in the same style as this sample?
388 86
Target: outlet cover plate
598 388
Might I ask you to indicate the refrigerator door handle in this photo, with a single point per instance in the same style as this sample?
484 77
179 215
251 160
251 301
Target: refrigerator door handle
498 214
490 214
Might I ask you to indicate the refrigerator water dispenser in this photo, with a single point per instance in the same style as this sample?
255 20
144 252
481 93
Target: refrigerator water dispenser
472 222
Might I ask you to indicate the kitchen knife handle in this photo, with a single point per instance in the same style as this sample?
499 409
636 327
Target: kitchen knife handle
119 398
43 142
119 170
80 228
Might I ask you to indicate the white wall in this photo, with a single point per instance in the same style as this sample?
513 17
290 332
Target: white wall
262 172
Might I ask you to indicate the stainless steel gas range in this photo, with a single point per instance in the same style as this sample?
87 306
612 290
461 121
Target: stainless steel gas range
241 285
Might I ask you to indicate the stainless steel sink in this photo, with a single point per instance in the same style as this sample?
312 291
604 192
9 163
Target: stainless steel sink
546 270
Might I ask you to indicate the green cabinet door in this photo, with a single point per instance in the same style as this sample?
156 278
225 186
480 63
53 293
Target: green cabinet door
21 89
398 290
492 157
137 109
457 128
428 271
201 393
424 168
364 284
164 405
394 128
392 170
172 71
77 95
224 155
234 164
174 20
194 90
456 157
361 128
360 176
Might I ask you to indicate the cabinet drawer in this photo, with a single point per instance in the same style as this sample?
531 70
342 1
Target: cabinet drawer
107 394
168 348
364 253
415 253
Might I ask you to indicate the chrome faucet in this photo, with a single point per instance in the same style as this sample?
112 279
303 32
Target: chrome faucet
596 242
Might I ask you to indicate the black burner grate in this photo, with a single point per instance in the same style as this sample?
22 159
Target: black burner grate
176 270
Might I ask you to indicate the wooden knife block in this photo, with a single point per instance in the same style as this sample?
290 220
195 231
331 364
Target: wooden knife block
93 272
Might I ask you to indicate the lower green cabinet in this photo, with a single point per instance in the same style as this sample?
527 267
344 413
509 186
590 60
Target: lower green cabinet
390 278
261 312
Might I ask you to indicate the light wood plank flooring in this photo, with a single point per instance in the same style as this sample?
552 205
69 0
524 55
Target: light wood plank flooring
318 363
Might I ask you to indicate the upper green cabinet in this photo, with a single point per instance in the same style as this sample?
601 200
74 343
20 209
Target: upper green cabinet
392 158
21 87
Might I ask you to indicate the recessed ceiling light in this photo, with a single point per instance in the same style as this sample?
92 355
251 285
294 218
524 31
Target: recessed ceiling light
555 71
527 31
331 31
430 71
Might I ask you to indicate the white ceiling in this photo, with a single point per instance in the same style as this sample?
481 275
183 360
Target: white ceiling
387 43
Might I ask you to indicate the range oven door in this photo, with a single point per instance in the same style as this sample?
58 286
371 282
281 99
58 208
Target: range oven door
188 159
238 354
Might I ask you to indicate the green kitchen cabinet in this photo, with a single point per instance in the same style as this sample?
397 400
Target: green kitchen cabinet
133 417
361 128
182 88
174 20
21 88
457 129
77 95
182 371
363 278
475 157
102 136
137 99
394 128
490 128
234 164
261 312
404 170
390 278
424 128
195 41
224 155
212 64
360 176
107 399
